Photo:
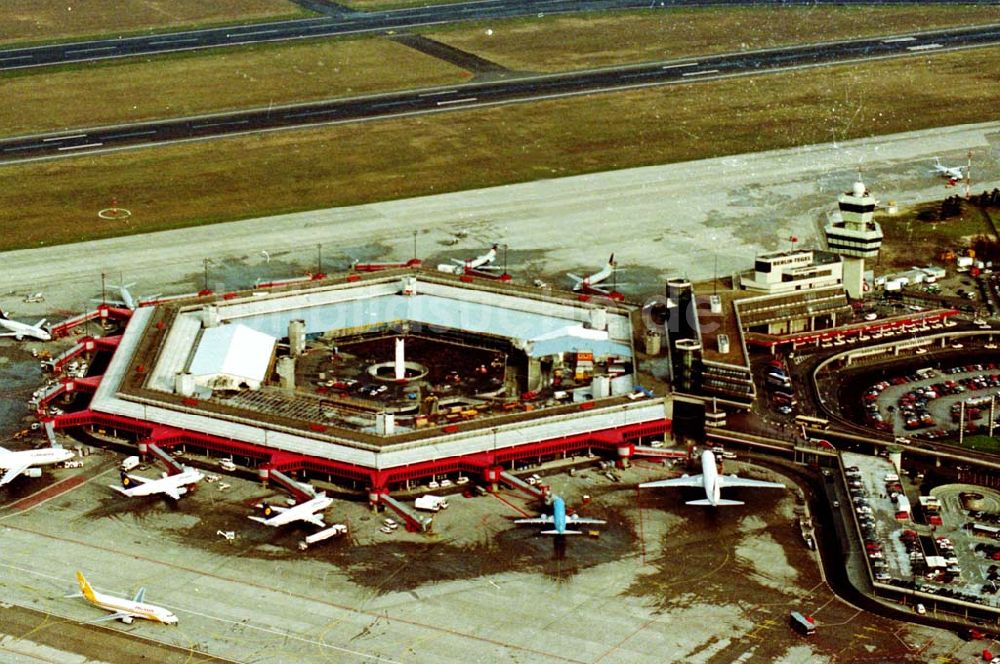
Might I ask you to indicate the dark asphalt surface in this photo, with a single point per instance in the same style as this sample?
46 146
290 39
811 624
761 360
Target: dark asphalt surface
485 93
339 20
346 23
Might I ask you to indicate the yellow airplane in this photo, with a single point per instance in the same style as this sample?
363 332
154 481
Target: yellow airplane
124 610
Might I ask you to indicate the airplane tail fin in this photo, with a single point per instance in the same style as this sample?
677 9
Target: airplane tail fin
3 315
126 480
611 261
719 503
564 532
266 509
85 588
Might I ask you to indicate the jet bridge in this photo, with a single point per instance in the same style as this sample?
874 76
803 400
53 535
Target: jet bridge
414 522
173 467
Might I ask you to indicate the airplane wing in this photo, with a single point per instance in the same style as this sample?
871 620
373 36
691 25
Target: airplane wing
119 615
173 492
8 334
138 480
543 520
13 472
584 521
688 480
315 519
139 595
575 278
731 481
565 532
40 323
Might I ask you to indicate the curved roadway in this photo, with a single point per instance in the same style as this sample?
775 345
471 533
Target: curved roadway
483 94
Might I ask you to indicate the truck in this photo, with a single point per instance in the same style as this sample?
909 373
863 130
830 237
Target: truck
802 624
430 503
130 463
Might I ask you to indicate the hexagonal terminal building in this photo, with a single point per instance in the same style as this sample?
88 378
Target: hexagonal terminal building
377 380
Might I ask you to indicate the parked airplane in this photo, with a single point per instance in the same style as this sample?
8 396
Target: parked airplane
16 463
952 173
479 263
712 482
171 485
589 283
130 301
559 520
124 610
310 511
21 330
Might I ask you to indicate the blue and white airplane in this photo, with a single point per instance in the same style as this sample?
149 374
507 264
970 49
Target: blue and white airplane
559 520
713 483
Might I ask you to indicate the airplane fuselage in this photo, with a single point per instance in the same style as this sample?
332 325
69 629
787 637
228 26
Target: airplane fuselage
42 457
22 330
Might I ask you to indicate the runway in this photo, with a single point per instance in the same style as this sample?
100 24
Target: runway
339 21
473 95
347 23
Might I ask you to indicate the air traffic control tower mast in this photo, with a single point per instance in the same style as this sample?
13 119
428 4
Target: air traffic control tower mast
855 236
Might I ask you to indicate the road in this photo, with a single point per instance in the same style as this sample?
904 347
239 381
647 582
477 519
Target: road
489 93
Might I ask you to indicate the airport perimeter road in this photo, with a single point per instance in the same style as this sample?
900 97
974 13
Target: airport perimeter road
348 23
680 218
484 94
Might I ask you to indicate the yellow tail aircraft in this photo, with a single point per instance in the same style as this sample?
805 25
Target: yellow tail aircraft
124 610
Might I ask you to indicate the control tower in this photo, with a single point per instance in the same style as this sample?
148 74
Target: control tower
855 236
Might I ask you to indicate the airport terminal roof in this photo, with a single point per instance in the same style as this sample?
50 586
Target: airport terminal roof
233 350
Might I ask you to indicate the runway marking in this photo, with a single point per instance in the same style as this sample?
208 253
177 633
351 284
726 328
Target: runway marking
91 50
640 75
174 41
80 147
308 113
63 138
220 124
686 64
898 39
455 101
17 57
701 73
924 47
435 94
387 104
129 134
258 32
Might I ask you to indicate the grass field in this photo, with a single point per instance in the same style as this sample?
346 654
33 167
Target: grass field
981 443
907 236
198 183
54 20
223 79
199 82
595 40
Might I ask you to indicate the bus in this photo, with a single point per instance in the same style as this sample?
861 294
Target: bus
802 624
811 422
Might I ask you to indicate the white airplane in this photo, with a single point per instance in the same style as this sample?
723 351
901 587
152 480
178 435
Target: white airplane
21 330
952 173
130 301
589 283
483 262
310 511
16 463
713 483
124 610
171 485
559 520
